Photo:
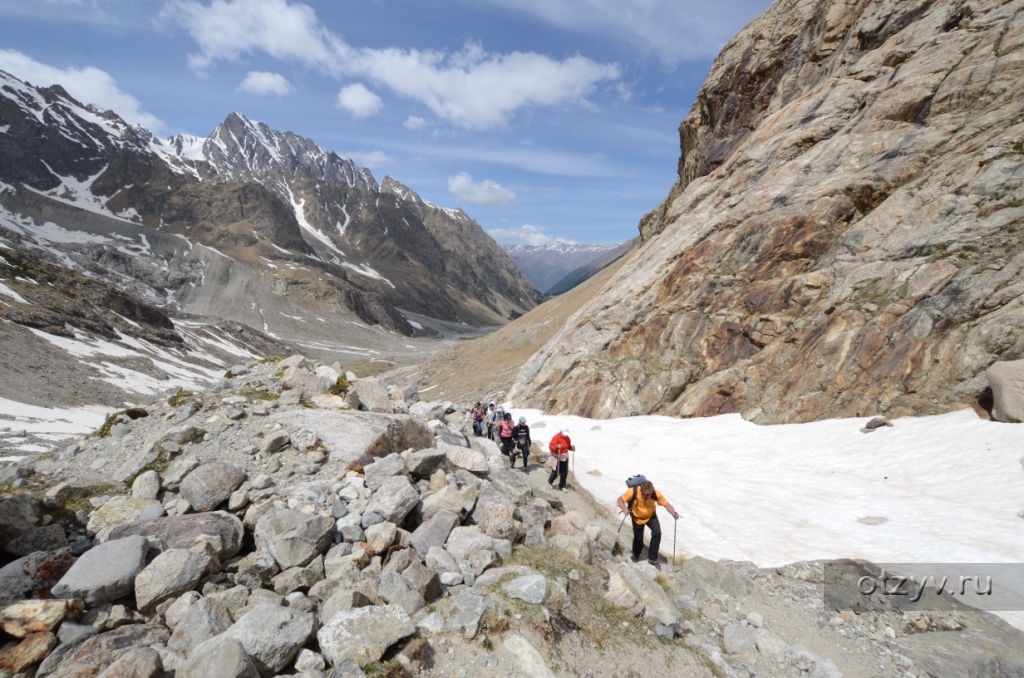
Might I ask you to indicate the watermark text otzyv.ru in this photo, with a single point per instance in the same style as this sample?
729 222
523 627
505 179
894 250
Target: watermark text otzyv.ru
995 587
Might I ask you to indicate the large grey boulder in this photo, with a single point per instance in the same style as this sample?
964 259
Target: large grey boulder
466 610
494 513
304 381
656 602
465 458
1007 381
210 485
220 529
422 463
272 635
35 572
459 501
118 511
485 446
177 471
739 639
105 572
203 620
433 532
513 483
146 485
530 588
293 538
351 435
427 410
394 500
382 469
222 657
95 654
465 539
169 575
369 394
363 634
140 662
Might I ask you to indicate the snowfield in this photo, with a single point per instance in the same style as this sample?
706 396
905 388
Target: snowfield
941 489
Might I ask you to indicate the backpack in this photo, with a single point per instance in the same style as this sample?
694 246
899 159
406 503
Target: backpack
634 482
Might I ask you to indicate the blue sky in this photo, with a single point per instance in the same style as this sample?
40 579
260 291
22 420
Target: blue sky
543 119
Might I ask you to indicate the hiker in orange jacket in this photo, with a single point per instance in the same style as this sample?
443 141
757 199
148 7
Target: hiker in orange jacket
560 446
641 504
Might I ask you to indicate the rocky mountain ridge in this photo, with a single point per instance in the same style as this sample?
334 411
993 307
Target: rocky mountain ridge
296 520
249 225
844 237
545 265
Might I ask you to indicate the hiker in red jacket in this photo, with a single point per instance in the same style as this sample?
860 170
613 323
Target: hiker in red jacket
560 447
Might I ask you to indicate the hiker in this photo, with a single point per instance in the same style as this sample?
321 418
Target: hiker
560 446
478 420
641 503
499 417
521 436
505 434
493 420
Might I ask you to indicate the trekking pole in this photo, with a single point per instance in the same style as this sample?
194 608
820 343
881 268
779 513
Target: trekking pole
675 524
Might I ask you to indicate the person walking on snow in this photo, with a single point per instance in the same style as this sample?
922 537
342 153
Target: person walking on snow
560 446
521 436
641 504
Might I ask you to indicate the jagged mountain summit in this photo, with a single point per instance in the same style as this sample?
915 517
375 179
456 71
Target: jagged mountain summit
249 225
545 265
845 234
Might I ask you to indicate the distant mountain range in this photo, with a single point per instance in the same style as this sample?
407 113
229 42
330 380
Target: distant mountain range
546 265
248 224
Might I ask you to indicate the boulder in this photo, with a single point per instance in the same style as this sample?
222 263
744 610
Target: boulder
738 639
494 513
656 602
450 498
169 575
426 410
46 538
271 635
369 394
293 538
1007 381
136 463
382 469
531 588
302 380
117 511
394 500
104 573
485 446
380 536
441 561
220 529
465 612
433 532
363 634
513 483
140 662
35 616
97 653
222 657
464 540
350 435
32 649
276 441
422 463
210 485
146 485
177 471
576 545
35 572
465 458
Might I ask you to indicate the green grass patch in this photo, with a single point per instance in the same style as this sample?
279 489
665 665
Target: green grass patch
179 397
108 423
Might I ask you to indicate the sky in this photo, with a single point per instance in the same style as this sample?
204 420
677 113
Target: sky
542 119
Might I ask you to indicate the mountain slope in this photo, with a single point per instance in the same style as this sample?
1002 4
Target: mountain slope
845 235
587 271
545 265
249 225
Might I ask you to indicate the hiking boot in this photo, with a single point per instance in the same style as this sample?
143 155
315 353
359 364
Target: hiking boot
635 559
654 564
564 489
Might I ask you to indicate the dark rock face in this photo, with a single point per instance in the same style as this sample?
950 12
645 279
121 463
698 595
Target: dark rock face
844 236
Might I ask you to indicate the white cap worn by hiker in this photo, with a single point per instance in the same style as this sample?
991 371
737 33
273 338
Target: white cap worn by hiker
522 420
565 431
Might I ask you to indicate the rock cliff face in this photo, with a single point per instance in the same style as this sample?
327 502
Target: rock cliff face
845 235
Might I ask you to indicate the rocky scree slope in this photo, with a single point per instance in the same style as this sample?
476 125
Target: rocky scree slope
271 527
250 225
845 235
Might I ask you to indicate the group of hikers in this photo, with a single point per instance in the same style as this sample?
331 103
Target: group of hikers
515 441
640 501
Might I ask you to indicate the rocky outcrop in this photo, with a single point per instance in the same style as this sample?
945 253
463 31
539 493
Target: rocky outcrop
844 237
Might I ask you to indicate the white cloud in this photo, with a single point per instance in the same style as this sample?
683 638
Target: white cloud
263 83
414 123
371 159
526 234
359 101
470 88
485 192
89 85
673 30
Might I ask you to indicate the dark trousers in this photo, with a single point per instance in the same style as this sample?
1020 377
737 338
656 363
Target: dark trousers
638 539
506 446
562 470
524 452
